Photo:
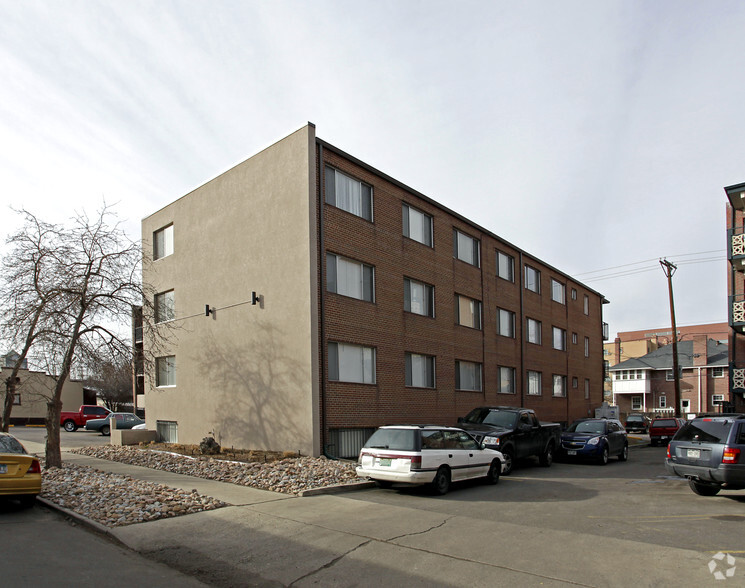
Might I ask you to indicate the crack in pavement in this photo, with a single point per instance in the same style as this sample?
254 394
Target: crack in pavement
330 563
432 528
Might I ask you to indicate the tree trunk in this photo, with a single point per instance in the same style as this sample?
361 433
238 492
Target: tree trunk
53 455
10 392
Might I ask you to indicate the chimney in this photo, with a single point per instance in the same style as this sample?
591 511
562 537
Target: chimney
700 351
617 350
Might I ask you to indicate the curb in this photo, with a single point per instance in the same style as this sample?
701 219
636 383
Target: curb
338 489
81 519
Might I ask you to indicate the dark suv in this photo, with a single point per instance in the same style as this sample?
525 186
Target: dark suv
710 452
637 422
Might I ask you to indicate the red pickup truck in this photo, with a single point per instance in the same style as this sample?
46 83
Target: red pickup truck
664 429
72 420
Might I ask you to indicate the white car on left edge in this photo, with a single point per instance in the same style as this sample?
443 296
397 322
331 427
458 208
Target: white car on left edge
427 454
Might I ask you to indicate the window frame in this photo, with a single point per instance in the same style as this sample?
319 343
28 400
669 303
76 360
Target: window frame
539 333
429 297
636 403
558 330
334 358
563 381
510 269
161 305
164 237
511 329
406 210
165 365
528 284
475 250
366 200
511 380
367 275
429 366
558 291
478 376
531 384
476 313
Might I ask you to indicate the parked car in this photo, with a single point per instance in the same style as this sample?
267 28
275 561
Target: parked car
664 429
72 420
595 439
124 420
515 432
426 454
710 452
637 422
20 472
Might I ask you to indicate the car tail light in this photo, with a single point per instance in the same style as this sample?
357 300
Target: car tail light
731 455
416 462
34 468
668 451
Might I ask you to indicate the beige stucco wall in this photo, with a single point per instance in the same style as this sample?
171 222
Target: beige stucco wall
36 388
248 373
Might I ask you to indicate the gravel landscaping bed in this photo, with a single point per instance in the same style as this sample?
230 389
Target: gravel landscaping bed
114 500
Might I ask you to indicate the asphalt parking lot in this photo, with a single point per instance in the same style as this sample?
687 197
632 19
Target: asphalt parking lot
634 500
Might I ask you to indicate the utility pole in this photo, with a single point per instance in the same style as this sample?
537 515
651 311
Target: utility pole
669 270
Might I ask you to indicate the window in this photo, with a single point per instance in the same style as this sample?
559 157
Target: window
469 312
420 370
663 401
532 279
163 242
505 266
636 403
574 338
165 371
558 292
534 331
575 382
717 372
587 304
669 376
350 278
506 384
417 225
505 323
419 298
717 399
165 307
574 294
587 347
467 376
351 363
348 194
17 399
587 389
560 385
465 248
534 383
559 339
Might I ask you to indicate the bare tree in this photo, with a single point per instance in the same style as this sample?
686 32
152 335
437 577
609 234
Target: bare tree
27 294
110 375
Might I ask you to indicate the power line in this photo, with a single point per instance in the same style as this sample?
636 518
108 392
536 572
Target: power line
654 259
645 269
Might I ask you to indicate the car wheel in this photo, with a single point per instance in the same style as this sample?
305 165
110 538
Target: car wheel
27 500
624 455
383 484
441 483
492 476
547 458
509 460
603 459
106 430
703 489
70 426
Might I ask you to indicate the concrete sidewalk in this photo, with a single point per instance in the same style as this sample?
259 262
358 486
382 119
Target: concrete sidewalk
270 539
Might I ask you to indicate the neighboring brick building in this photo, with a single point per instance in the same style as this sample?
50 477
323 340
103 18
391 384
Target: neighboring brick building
375 305
646 384
736 292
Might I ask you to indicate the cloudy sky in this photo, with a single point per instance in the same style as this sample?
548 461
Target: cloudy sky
595 135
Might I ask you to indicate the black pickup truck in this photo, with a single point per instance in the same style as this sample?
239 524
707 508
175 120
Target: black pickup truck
516 432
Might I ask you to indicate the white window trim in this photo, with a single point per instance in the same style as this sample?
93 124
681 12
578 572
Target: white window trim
407 217
475 248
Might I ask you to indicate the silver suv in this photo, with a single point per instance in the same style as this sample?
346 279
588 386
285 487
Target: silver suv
710 452
426 454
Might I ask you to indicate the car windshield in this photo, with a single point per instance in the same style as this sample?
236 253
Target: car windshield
705 431
665 423
486 416
401 439
634 417
10 444
593 427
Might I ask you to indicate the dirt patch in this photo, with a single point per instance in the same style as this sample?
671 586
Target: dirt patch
227 453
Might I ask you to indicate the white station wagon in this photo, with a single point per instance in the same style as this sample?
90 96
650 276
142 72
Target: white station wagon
426 454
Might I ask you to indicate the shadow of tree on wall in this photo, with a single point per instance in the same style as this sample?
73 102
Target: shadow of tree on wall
261 393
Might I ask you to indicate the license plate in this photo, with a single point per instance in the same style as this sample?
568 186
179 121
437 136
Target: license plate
572 452
385 461
694 453
3 469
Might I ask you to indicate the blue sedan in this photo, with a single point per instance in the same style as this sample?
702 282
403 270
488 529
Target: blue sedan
124 420
595 439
